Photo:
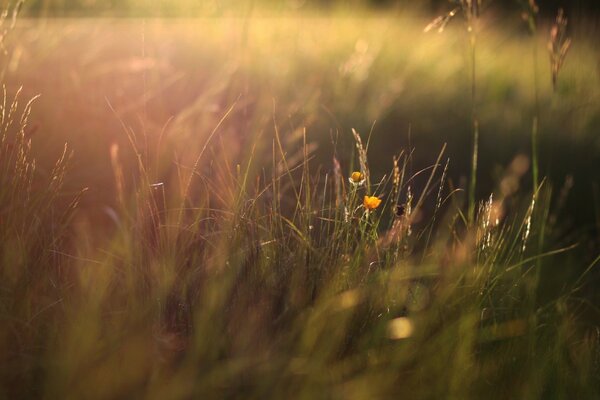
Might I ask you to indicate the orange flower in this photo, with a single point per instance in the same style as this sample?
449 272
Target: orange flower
357 178
371 202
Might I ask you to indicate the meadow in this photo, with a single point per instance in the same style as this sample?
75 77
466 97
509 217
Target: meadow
289 205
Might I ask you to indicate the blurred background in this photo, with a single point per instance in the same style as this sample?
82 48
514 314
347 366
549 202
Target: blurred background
191 7
105 68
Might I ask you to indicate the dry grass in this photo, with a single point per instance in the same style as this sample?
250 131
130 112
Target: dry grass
221 250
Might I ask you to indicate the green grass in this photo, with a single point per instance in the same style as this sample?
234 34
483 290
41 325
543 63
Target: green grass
220 250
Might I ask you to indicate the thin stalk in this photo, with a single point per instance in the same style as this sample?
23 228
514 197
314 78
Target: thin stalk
474 156
536 117
534 152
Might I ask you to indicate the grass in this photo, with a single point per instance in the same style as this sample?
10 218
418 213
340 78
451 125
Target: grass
222 248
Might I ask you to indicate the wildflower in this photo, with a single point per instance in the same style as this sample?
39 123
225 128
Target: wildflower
371 202
357 178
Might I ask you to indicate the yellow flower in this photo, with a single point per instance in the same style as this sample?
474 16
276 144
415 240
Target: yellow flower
357 178
371 202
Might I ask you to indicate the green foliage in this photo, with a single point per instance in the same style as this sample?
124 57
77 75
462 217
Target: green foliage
269 275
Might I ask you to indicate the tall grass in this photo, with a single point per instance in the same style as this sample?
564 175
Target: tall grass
279 277
257 282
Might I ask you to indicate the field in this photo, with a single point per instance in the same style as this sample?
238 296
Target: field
290 205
